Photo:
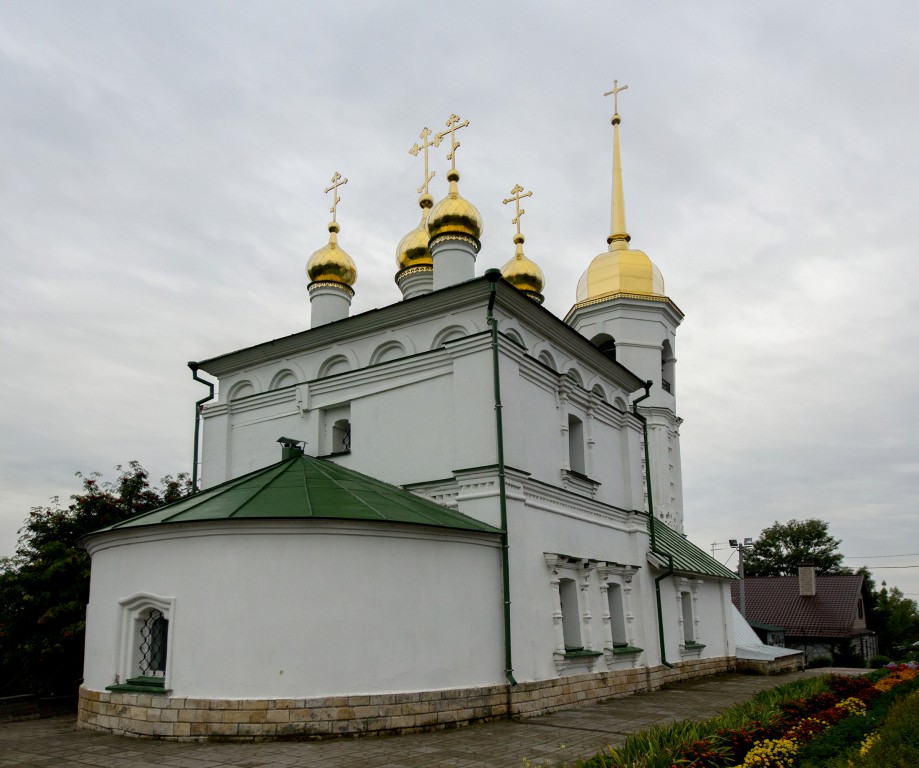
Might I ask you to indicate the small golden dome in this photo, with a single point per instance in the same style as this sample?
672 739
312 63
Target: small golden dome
523 273
455 215
413 250
330 264
620 270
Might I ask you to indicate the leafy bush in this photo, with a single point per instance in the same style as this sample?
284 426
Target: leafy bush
820 661
876 662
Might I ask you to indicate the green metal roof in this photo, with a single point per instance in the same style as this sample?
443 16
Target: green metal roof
687 556
304 487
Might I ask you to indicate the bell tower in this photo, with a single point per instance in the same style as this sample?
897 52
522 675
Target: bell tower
621 307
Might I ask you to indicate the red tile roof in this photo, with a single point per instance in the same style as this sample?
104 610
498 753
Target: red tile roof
828 614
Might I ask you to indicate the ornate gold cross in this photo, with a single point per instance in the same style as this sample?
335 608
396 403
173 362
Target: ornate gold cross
337 181
515 198
453 125
423 147
615 94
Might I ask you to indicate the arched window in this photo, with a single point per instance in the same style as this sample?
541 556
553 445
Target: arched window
667 367
240 390
571 619
576 445
283 379
334 365
575 377
606 344
390 350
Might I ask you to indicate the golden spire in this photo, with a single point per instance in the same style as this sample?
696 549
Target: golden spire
330 264
520 272
618 232
453 125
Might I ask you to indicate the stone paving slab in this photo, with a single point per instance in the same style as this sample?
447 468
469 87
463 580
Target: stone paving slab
550 739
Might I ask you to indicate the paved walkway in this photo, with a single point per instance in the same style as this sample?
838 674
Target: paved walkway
562 736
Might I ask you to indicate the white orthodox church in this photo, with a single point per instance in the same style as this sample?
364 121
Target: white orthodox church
475 510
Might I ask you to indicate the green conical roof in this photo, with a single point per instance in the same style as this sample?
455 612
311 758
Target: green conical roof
304 487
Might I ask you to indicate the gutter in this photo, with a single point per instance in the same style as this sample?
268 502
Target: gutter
194 466
493 276
654 548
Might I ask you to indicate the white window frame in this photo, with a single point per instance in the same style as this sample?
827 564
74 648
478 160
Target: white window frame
687 602
131 616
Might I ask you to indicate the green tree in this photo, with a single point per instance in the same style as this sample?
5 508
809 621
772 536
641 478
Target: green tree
44 587
895 619
782 547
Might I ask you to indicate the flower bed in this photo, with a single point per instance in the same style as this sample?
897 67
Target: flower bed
818 723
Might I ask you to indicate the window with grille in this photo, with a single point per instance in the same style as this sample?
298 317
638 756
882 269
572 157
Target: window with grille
154 632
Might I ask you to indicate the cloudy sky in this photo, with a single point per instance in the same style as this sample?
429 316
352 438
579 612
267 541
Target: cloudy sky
161 176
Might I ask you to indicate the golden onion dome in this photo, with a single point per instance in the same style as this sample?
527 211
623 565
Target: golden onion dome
413 249
523 273
330 264
455 215
620 270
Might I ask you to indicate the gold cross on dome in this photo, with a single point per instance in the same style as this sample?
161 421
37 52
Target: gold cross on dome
515 198
615 95
337 181
453 125
423 147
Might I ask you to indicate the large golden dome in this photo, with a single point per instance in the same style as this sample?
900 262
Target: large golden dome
330 264
413 249
455 215
524 274
620 270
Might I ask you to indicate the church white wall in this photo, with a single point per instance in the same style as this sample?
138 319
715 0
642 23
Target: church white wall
274 610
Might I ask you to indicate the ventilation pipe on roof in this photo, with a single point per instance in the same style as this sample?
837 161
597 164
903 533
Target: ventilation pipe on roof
493 276
666 555
194 466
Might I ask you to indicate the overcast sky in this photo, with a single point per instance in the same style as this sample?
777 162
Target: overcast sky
162 167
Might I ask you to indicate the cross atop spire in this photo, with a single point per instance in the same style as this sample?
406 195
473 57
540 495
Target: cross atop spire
423 147
615 94
517 194
337 181
453 125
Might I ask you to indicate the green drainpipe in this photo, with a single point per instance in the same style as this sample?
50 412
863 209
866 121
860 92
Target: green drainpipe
194 465
493 276
667 555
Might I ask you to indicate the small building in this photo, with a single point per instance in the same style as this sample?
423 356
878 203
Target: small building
819 614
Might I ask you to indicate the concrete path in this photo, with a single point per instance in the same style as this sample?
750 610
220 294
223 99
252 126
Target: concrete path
560 737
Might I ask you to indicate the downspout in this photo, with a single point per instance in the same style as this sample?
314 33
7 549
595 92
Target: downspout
654 549
194 467
493 276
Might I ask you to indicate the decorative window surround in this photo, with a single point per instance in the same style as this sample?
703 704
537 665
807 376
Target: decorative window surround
621 576
691 647
130 676
572 660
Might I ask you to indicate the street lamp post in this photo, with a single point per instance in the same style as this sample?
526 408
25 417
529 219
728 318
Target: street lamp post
747 542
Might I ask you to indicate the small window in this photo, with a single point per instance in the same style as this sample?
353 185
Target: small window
616 615
686 606
861 609
335 430
153 633
571 620
576 445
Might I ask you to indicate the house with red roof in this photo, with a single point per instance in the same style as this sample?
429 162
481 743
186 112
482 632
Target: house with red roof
821 614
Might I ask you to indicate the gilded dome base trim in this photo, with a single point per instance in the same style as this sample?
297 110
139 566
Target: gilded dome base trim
462 238
317 284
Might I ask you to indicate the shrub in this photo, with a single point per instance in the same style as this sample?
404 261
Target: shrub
876 662
820 661
897 742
